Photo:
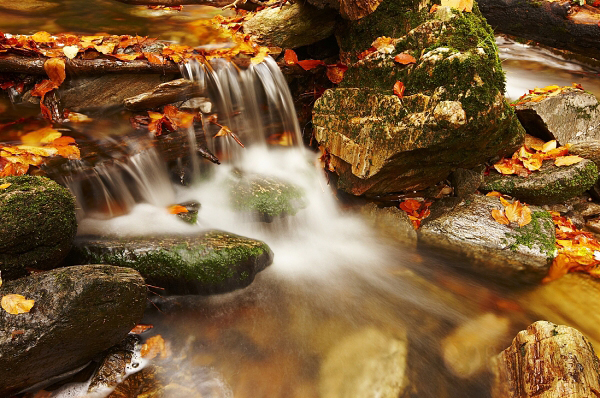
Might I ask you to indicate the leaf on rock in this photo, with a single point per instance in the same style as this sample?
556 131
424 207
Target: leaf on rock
385 45
405 59
500 217
494 194
44 135
410 205
512 211
309 64
16 304
524 216
258 58
548 146
290 58
399 89
4 186
567 160
141 328
460 5
55 69
335 73
177 209
154 346
70 51
41 37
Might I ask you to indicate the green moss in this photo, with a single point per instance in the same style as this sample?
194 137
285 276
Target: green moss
538 233
266 196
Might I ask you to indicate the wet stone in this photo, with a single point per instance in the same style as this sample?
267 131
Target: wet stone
208 263
507 254
113 368
552 184
191 217
391 222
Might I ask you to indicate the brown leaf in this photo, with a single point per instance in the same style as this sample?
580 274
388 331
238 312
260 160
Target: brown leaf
499 216
16 304
335 73
405 59
399 89
55 69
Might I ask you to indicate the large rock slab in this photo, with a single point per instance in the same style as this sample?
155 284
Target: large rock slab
453 113
573 116
78 313
37 225
547 361
207 263
504 253
550 185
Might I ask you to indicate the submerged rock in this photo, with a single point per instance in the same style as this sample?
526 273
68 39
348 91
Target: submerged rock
37 224
78 313
552 184
501 252
547 361
453 113
570 117
207 263
113 368
267 198
366 364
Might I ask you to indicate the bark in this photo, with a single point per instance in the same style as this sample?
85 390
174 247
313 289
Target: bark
165 93
554 23
547 361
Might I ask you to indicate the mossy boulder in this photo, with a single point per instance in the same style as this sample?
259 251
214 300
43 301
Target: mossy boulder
550 185
78 313
207 263
453 113
507 254
266 198
37 224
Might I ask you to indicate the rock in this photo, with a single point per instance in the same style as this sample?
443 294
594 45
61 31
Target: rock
350 9
547 361
163 94
568 301
78 313
551 184
291 25
569 117
500 252
587 209
37 224
29 7
453 114
391 222
208 263
191 217
265 197
95 93
466 182
593 225
368 363
113 369
468 350
589 150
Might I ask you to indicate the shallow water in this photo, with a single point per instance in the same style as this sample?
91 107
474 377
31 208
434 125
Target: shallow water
341 299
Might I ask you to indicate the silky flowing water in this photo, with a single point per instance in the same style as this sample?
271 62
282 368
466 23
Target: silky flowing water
342 300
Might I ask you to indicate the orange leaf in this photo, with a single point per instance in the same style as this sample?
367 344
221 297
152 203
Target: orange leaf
335 73
309 64
64 140
16 304
55 69
154 58
560 266
140 328
524 216
499 216
512 211
177 209
68 151
494 194
399 89
41 37
127 57
40 89
154 346
405 59
290 57
410 205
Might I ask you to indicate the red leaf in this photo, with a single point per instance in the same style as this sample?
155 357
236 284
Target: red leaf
290 57
335 73
399 89
405 59
310 64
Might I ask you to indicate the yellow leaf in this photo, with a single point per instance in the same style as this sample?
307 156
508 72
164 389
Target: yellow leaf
499 216
38 150
70 51
262 53
5 185
75 117
55 69
524 216
223 132
567 160
41 37
512 211
16 304
42 136
548 146
460 5
533 163
384 45
504 202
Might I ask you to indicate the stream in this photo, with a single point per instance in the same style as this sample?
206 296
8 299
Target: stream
342 302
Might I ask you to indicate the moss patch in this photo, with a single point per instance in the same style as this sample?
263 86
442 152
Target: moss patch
539 233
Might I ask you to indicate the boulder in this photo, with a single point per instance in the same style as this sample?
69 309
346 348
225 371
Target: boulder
78 313
466 181
390 222
266 198
547 361
37 224
29 7
551 184
292 25
570 301
504 253
452 115
208 263
570 117
191 216
368 363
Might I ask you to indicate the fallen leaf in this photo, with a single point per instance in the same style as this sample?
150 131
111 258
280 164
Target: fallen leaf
410 205
494 194
41 37
460 5
399 89
75 117
154 346
290 58
567 160
499 216
16 304
140 328
70 51
405 59
177 209
524 216
5 185
55 69
335 73
44 135
512 211
309 64
384 45
548 146
258 58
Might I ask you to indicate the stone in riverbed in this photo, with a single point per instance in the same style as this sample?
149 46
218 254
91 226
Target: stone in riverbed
113 368
266 198
453 114
37 224
390 222
570 117
207 263
551 184
78 313
500 252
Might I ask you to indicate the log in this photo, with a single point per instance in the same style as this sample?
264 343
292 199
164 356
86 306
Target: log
165 93
547 361
557 24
